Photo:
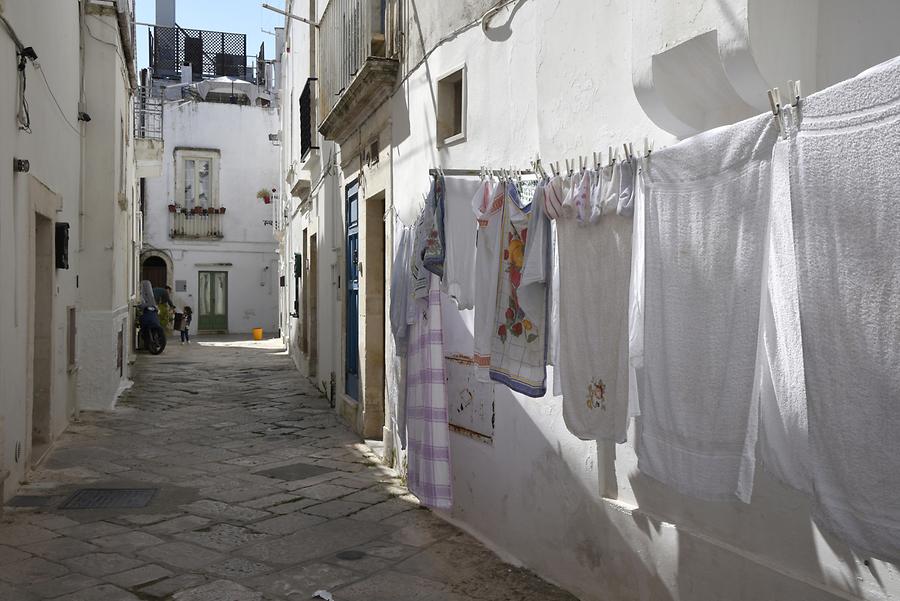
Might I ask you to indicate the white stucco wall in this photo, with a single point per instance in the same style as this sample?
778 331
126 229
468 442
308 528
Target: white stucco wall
248 162
564 78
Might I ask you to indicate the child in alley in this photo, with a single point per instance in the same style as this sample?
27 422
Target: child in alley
185 325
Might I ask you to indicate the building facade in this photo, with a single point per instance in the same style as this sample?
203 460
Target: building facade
68 219
402 87
210 214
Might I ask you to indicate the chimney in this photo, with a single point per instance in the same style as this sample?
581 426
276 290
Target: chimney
165 13
187 73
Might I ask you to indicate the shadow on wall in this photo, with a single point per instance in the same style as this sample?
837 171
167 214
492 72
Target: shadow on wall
543 499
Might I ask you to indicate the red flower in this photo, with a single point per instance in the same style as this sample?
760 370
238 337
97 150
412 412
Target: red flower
517 329
501 331
510 314
515 276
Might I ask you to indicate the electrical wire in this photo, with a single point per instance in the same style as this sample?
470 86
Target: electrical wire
55 101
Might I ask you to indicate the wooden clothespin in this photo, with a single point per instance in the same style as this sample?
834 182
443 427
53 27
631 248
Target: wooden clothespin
648 147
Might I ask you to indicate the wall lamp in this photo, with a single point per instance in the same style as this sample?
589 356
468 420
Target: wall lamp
281 12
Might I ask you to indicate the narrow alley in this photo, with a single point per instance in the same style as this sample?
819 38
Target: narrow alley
255 490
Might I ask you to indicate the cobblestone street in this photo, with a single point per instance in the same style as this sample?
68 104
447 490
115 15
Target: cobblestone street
261 493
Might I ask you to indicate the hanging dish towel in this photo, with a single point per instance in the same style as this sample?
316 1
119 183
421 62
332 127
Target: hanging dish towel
704 218
460 235
519 343
427 423
846 219
400 284
435 246
488 209
594 272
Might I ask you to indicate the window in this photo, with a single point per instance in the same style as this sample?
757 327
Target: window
71 341
196 178
451 109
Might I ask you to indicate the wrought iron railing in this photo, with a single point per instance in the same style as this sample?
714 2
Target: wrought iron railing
308 134
197 223
210 53
351 31
148 115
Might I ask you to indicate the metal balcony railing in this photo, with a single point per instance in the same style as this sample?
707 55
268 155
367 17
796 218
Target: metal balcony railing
351 31
210 53
205 224
148 115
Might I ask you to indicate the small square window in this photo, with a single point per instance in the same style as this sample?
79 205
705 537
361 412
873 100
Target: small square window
451 109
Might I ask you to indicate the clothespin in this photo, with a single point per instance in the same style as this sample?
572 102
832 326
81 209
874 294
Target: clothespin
558 171
775 104
625 148
612 155
795 92
648 147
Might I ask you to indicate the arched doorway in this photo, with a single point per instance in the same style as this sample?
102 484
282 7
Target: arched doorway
156 270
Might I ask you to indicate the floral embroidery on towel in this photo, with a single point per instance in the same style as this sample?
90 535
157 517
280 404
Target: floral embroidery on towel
596 396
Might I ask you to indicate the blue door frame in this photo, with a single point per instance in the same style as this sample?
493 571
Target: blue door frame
351 363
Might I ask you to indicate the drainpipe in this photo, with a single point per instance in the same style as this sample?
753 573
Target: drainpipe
123 16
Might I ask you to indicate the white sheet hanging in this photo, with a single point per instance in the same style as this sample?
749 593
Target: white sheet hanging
703 229
460 227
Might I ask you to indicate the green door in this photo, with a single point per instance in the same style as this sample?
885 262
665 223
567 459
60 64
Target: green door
213 304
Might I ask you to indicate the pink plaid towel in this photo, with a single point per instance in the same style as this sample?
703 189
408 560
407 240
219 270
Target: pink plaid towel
427 425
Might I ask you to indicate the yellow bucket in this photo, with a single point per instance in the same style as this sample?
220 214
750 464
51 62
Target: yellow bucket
257 333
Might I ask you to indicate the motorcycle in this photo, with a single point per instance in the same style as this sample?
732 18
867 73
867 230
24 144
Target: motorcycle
151 331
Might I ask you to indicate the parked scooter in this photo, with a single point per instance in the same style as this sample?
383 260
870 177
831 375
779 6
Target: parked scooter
151 330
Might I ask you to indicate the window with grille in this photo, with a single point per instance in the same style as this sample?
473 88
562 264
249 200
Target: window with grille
307 129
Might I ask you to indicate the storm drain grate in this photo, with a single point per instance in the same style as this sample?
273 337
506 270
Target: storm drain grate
31 501
109 498
296 471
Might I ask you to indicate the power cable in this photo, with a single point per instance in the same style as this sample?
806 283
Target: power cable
55 101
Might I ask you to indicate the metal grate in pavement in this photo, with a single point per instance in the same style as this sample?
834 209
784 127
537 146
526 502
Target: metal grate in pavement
295 471
31 501
109 498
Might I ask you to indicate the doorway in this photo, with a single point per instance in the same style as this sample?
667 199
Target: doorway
155 270
312 302
351 369
213 302
42 344
373 381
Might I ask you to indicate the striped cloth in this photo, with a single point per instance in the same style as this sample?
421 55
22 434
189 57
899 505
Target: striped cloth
427 423
554 194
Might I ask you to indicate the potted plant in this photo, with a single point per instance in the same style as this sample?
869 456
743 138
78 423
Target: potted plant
172 208
221 210
265 195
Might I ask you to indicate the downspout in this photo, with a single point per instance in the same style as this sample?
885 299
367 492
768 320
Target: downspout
123 15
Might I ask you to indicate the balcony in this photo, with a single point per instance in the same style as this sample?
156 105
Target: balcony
210 53
148 132
359 65
196 224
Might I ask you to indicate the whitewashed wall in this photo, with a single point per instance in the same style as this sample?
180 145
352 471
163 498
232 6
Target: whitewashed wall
565 78
248 163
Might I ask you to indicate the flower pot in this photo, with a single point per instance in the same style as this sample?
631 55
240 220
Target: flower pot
171 208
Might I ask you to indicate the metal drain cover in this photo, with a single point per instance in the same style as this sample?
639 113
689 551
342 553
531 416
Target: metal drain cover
296 471
31 501
109 498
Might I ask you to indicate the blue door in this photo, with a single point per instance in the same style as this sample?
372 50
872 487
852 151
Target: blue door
351 373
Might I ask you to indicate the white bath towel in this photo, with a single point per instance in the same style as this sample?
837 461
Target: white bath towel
704 217
488 209
845 191
459 239
594 272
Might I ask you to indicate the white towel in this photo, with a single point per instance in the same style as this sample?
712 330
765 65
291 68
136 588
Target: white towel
460 232
704 217
594 272
845 191
488 209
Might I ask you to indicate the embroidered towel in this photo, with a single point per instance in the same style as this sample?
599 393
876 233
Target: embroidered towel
704 217
846 218
460 233
519 343
427 423
488 211
594 272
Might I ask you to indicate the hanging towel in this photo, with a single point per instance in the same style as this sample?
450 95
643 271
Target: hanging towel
488 211
435 246
418 275
704 217
627 175
400 285
537 247
519 343
783 425
429 476
594 272
460 234
846 218
554 195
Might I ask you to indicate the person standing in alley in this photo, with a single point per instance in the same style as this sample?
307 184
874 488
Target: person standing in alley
185 325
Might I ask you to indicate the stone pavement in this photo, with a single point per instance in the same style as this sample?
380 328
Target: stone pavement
262 494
